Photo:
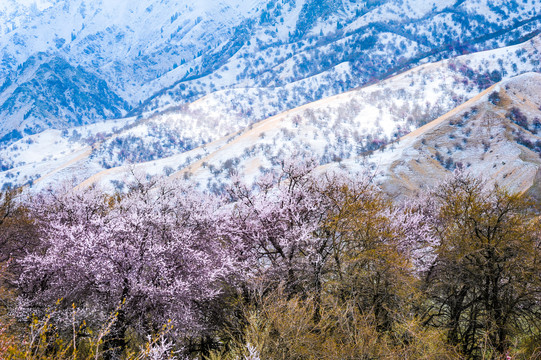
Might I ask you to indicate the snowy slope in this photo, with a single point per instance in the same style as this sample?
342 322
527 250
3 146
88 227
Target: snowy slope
306 41
121 46
337 128
152 55
495 135
201 78
47 92
414 98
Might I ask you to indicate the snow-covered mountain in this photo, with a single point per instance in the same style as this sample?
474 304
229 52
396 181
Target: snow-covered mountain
122 49
307 50
207 142
47 92
263 56
92 90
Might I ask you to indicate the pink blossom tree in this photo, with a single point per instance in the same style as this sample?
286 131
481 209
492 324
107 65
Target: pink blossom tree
155 250
277 224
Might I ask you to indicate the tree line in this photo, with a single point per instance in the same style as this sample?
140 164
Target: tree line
302 265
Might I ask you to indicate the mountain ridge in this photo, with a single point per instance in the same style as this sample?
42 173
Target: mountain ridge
261 45
398 87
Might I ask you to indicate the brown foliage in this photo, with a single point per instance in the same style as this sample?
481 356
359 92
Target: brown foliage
285 329
484 286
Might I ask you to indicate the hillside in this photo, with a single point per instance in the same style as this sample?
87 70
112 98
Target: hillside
203 133
496 135
262 56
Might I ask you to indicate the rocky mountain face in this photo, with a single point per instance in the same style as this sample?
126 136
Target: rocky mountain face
47 92
262 56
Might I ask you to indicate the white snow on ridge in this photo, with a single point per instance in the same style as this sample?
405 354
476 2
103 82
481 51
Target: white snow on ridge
332 128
